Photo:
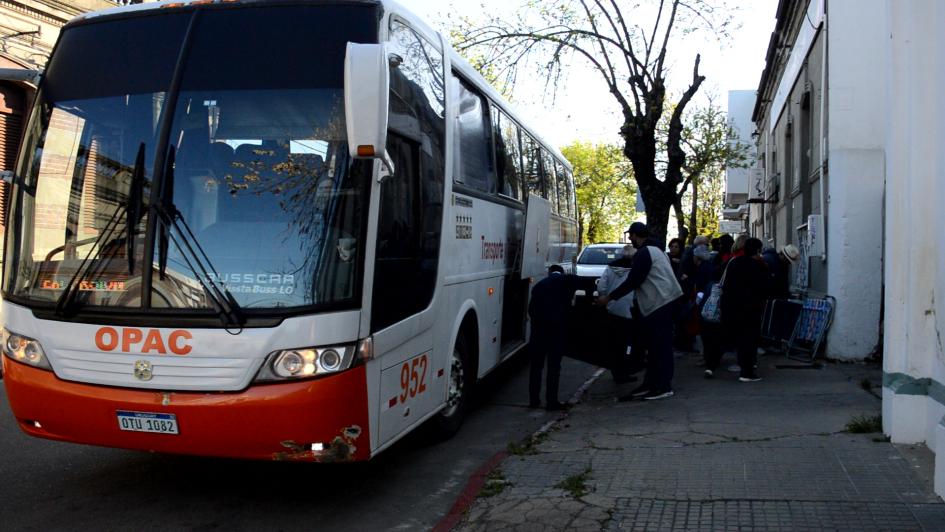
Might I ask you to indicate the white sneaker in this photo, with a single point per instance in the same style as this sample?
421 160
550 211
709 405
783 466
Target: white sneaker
753 378
708 374
654 396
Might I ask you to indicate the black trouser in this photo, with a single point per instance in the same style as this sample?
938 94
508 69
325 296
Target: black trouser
747 331
712 338
637 341
619 334
747 338
657 329
547 342
682 340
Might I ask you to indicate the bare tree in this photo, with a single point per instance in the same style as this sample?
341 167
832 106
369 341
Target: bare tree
631 58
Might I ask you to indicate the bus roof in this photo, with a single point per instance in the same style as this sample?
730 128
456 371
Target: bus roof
172 4
457 61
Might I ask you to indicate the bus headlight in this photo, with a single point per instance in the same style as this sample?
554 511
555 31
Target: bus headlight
305 362
25 350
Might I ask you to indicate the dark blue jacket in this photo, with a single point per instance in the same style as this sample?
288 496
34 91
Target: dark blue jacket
551 299
778 274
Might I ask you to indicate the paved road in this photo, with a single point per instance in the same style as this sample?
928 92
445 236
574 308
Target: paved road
50 485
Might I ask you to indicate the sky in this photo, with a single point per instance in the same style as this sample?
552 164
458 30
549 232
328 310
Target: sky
583 110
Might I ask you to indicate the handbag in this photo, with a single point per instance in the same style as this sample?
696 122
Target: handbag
712 309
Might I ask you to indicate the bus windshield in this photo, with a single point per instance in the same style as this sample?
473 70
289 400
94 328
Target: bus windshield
246 108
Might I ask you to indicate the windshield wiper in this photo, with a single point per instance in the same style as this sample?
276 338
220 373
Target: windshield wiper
187 244
132 213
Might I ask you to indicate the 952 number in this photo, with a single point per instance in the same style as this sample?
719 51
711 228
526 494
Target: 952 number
413 376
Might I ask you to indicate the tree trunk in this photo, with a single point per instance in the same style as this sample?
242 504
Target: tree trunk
592 229
580 233
658 201
657 220
693 228
680 219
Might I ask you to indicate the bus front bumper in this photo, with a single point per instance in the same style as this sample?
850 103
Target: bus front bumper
319 420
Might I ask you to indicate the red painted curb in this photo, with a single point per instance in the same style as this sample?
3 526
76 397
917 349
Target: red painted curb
469 493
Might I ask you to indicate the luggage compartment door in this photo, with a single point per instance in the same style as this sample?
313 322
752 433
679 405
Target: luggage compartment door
596 337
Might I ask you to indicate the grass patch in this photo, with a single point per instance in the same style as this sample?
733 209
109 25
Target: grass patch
576 484
865 424
495 484
527 446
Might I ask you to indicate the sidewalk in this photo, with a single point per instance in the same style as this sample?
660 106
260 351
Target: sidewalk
720 455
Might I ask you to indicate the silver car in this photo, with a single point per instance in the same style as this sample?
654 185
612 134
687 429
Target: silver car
595 257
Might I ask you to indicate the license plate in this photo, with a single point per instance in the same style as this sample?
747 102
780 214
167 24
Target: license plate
147 422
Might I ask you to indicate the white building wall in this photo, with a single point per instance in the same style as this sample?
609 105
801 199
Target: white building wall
740 105
914 328
856 165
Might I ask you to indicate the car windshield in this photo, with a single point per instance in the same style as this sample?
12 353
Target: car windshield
599 255
256 167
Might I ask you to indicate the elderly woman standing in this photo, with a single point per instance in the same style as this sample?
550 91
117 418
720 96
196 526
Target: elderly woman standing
744 292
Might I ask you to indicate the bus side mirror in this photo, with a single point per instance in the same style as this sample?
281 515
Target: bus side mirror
367 94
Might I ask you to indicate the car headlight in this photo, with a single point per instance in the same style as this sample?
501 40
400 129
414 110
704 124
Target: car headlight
305 362
25 350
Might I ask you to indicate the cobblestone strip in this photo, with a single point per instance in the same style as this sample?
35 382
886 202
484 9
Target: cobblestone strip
660 514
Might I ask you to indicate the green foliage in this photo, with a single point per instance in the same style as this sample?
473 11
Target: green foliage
495 484
865 424
527 446
605 190
576 484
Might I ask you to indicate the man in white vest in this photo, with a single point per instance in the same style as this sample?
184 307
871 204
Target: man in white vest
656 290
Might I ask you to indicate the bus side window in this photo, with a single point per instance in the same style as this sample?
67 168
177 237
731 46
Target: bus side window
564 191
572 199
508 155
399 238
531 162
473 164
549 180
408 239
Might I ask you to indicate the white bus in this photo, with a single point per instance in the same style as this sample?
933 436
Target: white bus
271 230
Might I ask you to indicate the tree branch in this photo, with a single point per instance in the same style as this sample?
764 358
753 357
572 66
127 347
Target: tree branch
677 157
553 37
625 45
652 41
612 80
669 29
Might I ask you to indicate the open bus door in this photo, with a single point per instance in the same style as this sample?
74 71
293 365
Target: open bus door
535 245
594 337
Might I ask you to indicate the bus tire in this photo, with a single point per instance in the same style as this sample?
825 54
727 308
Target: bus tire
462 378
